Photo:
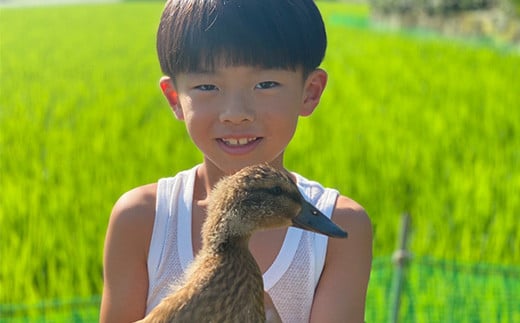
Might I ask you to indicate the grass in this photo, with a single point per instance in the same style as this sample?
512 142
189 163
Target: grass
426 126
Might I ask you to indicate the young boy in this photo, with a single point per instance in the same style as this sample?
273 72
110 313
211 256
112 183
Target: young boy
239 74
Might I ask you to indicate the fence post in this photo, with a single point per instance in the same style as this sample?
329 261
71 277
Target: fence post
400 259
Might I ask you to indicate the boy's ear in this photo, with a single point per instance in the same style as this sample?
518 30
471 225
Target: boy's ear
313 89
170 94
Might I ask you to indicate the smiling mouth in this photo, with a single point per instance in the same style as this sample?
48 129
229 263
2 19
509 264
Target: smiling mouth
236 142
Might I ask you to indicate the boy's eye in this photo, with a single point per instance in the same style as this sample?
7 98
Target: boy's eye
267 85
206 87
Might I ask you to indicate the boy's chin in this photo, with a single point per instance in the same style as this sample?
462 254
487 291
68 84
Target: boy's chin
229 166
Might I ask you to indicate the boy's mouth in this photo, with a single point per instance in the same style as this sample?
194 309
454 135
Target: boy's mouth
235 142
239 146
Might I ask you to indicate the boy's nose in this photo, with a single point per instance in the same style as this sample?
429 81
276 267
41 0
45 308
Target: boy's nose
237 109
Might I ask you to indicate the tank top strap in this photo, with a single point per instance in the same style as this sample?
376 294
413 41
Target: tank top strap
165 188
173 202
326 205
324 199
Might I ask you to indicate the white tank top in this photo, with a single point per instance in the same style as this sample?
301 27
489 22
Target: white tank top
292 277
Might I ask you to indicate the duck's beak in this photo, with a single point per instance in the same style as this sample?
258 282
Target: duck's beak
310 218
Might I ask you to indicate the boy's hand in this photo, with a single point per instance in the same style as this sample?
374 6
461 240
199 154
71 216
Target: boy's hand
271 314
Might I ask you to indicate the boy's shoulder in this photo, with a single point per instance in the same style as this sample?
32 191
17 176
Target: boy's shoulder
350 214
347 212
136 208
345 204
139 197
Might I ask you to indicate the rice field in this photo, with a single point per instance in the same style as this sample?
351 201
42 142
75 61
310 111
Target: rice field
408 123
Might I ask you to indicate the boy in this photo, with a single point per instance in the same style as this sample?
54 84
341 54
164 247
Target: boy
238 73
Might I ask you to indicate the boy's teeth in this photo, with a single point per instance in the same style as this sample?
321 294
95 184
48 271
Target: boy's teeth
238 141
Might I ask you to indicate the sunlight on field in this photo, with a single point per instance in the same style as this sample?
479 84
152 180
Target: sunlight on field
425 126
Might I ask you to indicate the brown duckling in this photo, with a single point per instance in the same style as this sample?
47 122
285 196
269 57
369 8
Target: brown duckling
224 282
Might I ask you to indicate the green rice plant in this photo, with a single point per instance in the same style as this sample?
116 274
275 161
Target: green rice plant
82 121
425 127
407 124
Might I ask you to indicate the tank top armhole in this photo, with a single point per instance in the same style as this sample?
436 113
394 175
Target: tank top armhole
155 251
326 204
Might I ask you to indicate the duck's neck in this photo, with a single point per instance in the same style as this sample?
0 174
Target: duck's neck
225 244
229 270
224 231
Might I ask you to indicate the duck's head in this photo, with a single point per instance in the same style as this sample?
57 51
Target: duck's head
262 197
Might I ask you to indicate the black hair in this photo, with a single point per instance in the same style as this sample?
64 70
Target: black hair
196 35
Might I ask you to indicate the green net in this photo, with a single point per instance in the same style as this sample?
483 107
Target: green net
444 291
76 310
432 291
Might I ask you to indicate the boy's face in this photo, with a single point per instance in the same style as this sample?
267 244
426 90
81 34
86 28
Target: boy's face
239 116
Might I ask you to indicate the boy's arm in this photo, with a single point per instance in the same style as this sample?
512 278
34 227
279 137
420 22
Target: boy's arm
125 256
341 292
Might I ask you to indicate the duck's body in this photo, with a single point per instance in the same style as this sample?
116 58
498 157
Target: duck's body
224 283
211 294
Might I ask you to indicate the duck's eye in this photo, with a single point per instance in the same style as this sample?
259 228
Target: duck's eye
277 190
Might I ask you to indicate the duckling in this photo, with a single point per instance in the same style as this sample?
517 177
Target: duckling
224 282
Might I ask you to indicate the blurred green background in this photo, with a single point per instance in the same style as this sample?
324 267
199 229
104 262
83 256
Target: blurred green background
413 120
